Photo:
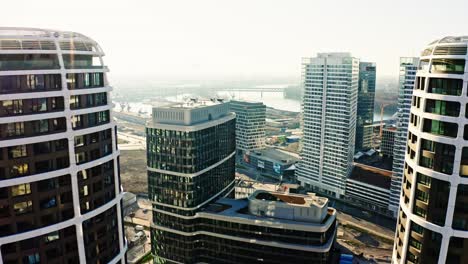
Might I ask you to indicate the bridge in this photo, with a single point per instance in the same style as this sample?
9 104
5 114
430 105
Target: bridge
260 90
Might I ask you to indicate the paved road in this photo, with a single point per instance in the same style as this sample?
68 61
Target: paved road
360 216
134 142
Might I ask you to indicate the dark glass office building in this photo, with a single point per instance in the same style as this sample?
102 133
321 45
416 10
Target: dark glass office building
60 189
365 105
191 167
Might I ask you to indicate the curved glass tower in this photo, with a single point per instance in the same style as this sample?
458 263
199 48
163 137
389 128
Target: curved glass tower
59 173
433 217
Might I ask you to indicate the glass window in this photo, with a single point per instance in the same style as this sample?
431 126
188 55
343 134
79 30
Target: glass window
440 128
80 157
424 65
19 170
42 148
17 152
13 106
32 259
445 86
21 189
454 66
464 163
441 107
39 105
460 221
23 207
15 129
75 101
52 237
79 141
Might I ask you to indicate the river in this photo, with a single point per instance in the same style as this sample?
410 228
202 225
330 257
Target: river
270 99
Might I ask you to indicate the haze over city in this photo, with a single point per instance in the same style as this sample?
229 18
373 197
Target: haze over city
213 40
260 131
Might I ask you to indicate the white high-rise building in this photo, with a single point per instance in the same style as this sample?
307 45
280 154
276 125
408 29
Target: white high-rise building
408 68
60 192
330 88
433 217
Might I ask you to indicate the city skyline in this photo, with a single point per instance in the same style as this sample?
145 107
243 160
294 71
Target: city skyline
207 40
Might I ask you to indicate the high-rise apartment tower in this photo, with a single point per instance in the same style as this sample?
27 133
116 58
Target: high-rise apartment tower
365 105
60 189
330 87
408 68
250 125
433 217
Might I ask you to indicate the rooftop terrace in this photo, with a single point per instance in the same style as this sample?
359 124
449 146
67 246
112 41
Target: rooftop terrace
371 175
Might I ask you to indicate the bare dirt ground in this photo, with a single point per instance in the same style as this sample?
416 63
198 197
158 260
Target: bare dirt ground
368 248
133 171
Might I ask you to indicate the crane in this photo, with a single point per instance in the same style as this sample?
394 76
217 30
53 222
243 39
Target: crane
382 107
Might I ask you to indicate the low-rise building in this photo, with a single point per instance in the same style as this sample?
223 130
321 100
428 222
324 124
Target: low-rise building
369 187
272 162
268 227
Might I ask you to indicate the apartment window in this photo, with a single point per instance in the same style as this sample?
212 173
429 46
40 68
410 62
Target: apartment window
21 189
52 237
17 152
63 162
48 203
44 166
423 179
464 163
422 196
61 144
40 126
453 66
440 128
419 211
415 244
75 102
93 138
417 228
42 148
84 191
19 170
80 157
39 104
445 86
15 129
32 259
460 221
79 141
440 107
437 156
13 106
103 116
77 121
22 207
424 65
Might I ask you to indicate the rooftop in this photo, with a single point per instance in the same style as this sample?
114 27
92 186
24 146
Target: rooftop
238 208
247 102
191 113
371 175
451 39
193 103
292 199
9 32
275 155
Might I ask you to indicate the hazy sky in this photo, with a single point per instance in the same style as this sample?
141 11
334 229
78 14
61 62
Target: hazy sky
212 39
